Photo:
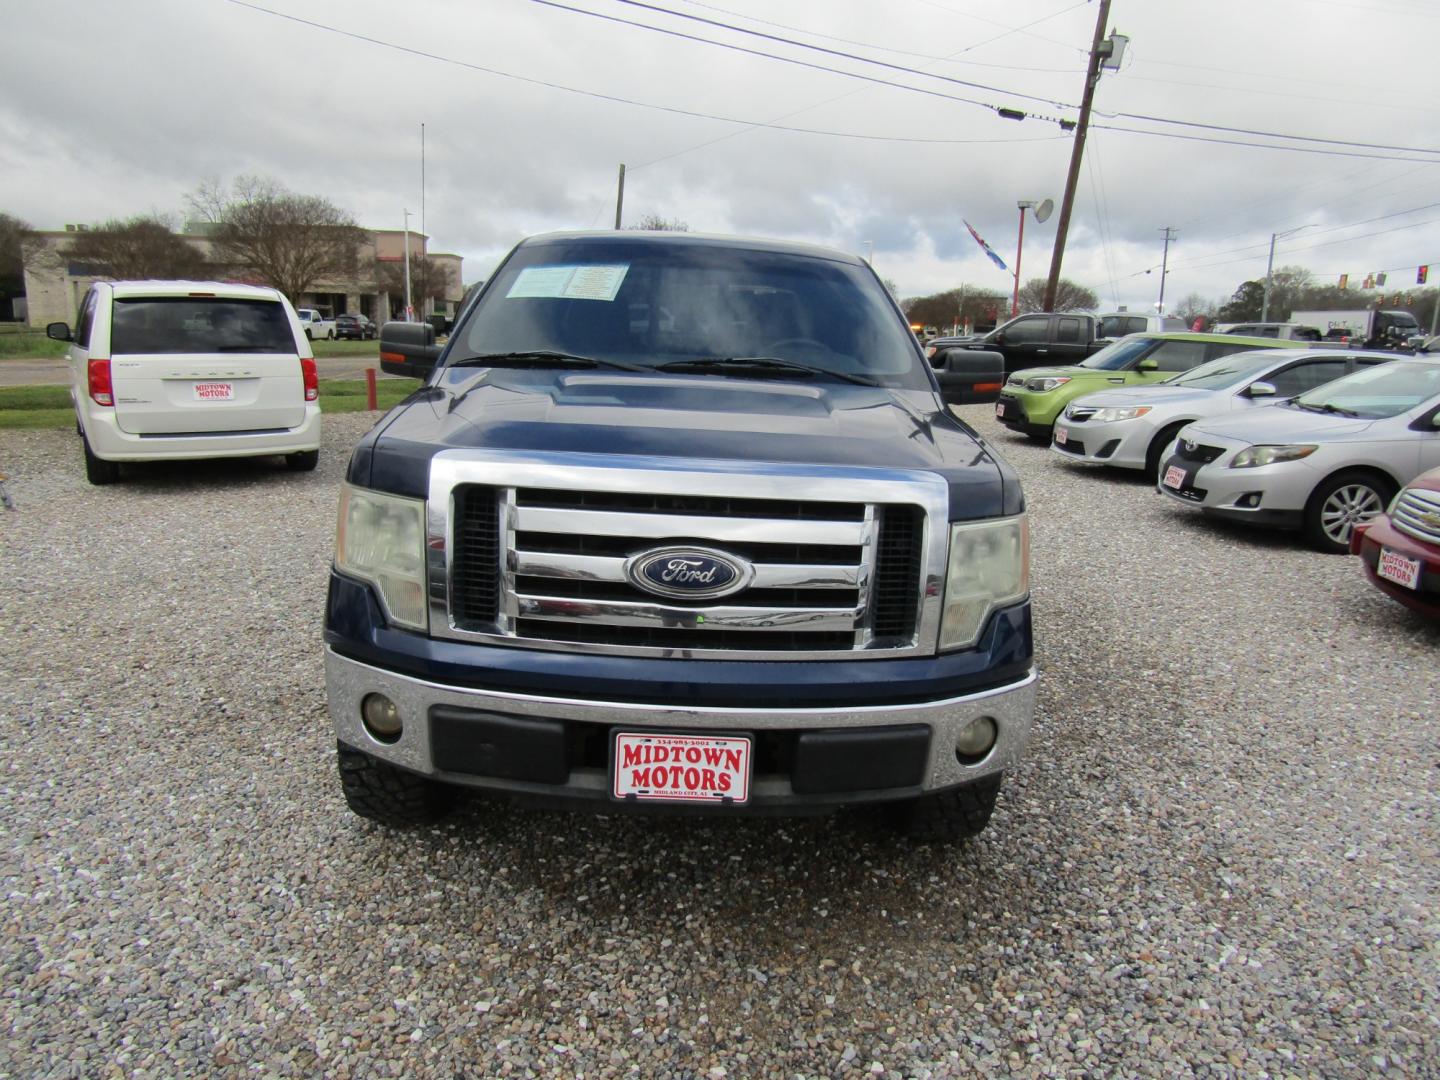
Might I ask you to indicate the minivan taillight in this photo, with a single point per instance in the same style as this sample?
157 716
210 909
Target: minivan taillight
312 379
101 392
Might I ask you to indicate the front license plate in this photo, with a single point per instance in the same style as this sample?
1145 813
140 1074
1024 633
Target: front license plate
1175 477
1397 568
214 391
1061 435
1000 409
681 768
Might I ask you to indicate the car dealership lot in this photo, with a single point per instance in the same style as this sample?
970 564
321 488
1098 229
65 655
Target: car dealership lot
1220 855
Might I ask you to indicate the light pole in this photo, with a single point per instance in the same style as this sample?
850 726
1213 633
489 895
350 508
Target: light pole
1042 213
407 264
1270 269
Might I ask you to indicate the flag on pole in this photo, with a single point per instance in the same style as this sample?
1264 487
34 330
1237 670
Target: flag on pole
985 247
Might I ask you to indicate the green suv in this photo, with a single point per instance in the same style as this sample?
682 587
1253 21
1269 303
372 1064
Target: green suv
1032 399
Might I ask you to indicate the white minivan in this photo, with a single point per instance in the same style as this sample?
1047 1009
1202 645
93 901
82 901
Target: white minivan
163 370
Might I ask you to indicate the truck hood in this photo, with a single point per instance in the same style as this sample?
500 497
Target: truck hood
685 416
1281 424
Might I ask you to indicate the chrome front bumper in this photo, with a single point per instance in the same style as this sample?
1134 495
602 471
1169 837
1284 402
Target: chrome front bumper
349 681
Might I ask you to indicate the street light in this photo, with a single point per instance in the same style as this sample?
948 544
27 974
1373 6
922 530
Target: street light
1270 269
1042 212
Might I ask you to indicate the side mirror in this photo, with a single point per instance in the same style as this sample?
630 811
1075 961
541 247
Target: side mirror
408 348
969 376
59 331
1260 389
1148 365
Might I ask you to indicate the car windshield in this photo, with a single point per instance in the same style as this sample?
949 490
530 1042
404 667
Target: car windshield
183 324
1120 355
647 303
1377 392
1225 371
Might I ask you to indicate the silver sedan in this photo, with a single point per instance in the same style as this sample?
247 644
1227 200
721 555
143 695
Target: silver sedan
1130 427
1322 462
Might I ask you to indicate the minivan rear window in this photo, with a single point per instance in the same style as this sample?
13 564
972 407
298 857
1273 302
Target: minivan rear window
188 324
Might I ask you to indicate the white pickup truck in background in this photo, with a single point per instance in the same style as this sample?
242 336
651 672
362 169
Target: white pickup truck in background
317 326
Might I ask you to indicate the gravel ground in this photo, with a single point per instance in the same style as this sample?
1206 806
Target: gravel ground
1219 857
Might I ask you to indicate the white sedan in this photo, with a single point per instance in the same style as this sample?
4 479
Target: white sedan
1323 462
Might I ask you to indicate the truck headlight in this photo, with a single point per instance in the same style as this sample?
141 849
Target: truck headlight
1049 382
381 539
1252 457
1109 416
989 567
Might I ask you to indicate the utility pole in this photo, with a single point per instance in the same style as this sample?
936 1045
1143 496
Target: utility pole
1164 262
620 196
1270 269
1092 78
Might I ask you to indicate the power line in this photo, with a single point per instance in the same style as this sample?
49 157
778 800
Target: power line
1260 146
908 52
1263 134
616 99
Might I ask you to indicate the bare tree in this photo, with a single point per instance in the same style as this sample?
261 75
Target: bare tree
656 223
142 247
287 240
969 304
430 279
1068 296
1194 306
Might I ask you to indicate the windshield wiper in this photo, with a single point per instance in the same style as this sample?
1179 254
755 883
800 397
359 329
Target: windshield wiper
720 365
1326 408
540 358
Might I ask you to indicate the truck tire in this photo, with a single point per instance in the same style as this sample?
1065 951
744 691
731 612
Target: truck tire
97 470
949 815
393 797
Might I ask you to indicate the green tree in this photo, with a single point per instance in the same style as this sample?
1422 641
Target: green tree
139 248
13 233
1068 296
1245 305
287 240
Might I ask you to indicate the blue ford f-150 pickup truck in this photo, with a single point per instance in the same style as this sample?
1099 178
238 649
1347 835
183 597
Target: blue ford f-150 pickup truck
679 521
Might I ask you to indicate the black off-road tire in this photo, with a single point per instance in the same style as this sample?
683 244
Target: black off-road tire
302 461
97 470
393 797
948 815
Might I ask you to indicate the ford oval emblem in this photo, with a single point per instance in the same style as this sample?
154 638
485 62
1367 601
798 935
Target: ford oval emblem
689 573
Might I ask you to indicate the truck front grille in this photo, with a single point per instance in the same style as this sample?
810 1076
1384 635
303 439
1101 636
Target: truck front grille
522 561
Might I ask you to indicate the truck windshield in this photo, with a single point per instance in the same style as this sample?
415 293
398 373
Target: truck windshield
1377 392
1118 356
650 302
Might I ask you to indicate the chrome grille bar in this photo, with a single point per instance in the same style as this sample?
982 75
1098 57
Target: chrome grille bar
560 565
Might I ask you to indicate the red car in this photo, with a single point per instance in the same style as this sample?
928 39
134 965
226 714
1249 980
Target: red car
1400 550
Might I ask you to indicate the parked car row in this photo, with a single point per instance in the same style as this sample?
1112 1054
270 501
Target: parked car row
1339 445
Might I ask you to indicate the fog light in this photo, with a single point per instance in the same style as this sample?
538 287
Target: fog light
382 718
1250 500
975 739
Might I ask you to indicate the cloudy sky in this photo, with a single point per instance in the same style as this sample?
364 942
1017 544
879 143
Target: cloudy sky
869 126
